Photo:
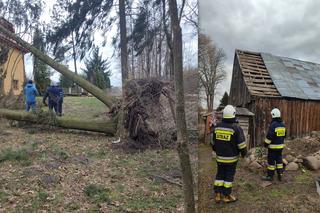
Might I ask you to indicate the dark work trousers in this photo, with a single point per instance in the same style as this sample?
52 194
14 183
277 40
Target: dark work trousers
224 177
54 106
32 105
275 161
60 107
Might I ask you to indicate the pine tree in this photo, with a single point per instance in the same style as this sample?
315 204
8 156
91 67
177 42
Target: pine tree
41 71
98 70
224 100
65 82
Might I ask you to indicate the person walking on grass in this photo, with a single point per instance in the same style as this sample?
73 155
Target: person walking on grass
275 144
30 93
228 142
54 94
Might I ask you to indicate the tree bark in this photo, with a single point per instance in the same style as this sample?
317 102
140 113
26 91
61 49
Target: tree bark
168 39
183 149
75 61
210 103
98 93
123 41
108 127
124 63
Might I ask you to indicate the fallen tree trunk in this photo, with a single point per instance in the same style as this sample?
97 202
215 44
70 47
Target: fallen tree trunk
108 127
95 91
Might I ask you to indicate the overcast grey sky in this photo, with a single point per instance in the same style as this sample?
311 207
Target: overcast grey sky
286 28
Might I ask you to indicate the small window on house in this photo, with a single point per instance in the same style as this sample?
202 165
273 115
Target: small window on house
15 84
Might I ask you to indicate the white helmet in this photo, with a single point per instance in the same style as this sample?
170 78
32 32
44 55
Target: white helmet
229 112
275 113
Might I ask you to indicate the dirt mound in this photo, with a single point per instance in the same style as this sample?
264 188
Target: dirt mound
148 114
303 146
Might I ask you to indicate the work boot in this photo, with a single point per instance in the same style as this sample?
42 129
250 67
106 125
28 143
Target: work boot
267 178
280 177
218 197
229 199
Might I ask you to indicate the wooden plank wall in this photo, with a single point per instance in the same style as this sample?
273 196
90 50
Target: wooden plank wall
239 93
244 124
300 116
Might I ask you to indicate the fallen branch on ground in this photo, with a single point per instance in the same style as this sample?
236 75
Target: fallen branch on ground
70 123
167 179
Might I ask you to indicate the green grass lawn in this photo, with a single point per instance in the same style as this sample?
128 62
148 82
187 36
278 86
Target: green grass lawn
57 170
81 107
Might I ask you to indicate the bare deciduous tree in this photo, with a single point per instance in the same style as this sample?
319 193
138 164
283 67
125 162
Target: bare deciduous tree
191 14
211 67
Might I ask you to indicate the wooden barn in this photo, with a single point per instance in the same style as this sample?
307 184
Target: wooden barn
261 81
12 71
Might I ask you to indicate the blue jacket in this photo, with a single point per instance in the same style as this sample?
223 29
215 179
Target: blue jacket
30 92
55 95
276 134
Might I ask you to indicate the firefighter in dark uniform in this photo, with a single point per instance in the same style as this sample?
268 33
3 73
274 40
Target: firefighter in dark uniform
275 143
228 143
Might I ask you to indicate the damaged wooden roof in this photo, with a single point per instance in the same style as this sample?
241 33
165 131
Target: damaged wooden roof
256 75
275 76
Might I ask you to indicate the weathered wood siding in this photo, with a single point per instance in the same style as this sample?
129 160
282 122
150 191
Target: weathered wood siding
300 116
244 124
239 93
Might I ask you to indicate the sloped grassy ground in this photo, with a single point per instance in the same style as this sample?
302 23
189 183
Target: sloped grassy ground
81 107
46 169
297 193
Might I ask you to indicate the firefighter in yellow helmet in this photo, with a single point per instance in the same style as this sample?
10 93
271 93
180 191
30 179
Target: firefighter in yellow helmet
275 143
228 142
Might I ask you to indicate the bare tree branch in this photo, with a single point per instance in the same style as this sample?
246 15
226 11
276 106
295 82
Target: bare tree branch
211 67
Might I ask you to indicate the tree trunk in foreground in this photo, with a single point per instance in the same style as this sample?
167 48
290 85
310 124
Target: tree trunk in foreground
122 133
108 127
123 41
95 91
183 149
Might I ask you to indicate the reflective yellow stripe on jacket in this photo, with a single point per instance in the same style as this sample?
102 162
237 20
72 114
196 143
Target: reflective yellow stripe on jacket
267 141
227 159
242 145
276 146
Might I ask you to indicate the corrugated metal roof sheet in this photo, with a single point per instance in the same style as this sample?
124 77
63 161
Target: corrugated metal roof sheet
294 78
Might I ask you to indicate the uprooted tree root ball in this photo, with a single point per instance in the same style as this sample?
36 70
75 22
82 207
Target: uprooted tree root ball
148 117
